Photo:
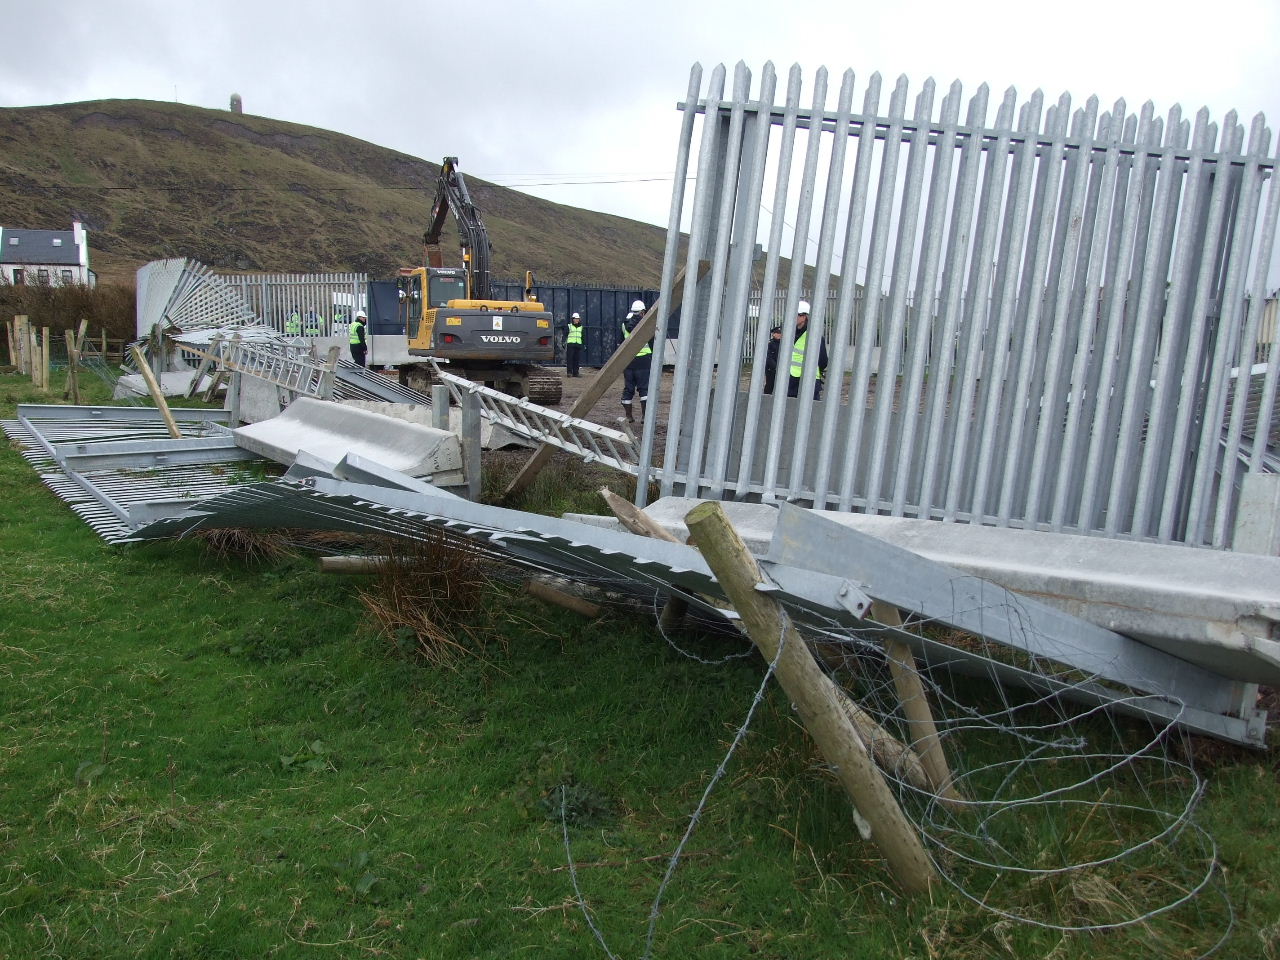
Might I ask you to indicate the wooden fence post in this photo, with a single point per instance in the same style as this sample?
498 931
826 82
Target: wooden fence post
24 347
915 705
73 362
44 360
637 521
816 698
156 394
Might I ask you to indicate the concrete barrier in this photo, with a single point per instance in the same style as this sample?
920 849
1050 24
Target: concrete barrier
331 431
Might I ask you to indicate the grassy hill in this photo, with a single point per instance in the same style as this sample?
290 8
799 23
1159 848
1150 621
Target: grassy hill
238 192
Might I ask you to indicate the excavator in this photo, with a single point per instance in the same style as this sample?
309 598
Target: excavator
450 315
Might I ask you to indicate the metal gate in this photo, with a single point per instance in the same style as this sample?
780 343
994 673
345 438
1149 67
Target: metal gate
1084 361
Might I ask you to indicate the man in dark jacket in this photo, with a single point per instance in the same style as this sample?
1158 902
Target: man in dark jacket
799 349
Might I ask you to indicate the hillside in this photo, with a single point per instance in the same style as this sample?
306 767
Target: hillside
238 192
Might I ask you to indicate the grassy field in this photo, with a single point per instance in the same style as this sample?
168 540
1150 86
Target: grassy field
203 757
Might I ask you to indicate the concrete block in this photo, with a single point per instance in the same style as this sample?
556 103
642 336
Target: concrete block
331 431
492 436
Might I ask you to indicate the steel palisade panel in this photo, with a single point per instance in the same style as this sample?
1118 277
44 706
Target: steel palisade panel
1043 320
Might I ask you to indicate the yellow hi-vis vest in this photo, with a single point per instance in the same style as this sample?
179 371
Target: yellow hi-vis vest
575 335
357 326
293 325
644 351
797 356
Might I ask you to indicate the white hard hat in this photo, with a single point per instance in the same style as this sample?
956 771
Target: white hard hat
803 307
576 317
637 306
361 315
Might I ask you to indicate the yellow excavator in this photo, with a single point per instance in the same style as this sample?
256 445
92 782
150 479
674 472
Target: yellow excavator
450 315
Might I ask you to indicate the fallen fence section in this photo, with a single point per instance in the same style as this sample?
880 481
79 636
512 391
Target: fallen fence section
118 468
590 441
188 295
989 834
1051 308
1216 609
1084 658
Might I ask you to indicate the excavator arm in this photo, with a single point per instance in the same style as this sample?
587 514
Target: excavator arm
452 196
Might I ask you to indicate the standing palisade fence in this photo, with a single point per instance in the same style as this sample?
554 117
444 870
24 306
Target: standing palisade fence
1085 364
324 302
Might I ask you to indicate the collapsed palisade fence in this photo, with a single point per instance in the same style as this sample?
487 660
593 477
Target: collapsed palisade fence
1092 273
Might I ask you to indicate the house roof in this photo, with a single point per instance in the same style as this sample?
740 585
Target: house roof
37 247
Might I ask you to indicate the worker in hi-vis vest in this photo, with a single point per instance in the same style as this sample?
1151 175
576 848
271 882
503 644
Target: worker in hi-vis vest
357 340
799 348
635 378
573 345
293 323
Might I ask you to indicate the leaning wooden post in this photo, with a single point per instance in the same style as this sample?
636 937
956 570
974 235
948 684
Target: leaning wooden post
605 378
915 704
815 697
73 380
156 394
639 522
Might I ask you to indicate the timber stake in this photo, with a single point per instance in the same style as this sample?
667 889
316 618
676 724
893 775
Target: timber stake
816 698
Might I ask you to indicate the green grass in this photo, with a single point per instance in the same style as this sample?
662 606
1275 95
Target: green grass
204 758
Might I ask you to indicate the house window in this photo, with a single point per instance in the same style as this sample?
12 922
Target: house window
19 276
42 275
13 241
57 241
66 276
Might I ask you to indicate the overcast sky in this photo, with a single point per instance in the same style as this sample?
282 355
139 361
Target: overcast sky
532 94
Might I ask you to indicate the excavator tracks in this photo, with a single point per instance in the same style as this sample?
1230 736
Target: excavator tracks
544 387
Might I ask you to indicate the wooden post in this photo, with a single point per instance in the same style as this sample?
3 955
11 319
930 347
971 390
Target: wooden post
544 591
73 361
635 519
605 377
915 704
156 395
816 698
207 360
12 335
24 344
33 354
639 522
44 360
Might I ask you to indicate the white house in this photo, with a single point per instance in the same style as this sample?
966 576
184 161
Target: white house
46 256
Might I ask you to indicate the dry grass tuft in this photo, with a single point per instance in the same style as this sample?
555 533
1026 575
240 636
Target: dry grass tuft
253 546
428 596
